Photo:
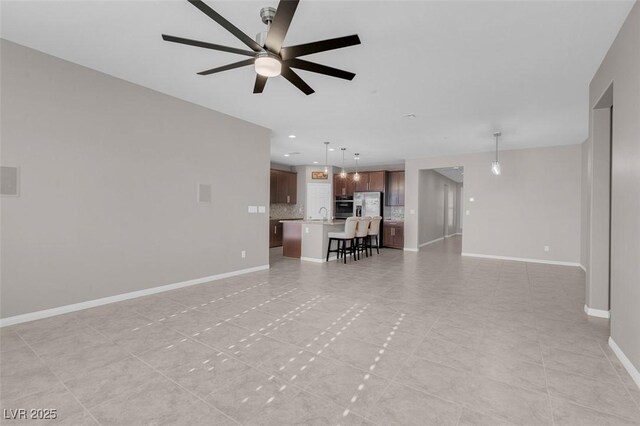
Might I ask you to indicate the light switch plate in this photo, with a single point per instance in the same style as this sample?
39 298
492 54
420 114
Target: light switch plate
467 212
262 209
253 209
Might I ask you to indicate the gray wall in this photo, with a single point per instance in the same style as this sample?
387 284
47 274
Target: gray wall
432 205
535 202
621 66
585 204
108 186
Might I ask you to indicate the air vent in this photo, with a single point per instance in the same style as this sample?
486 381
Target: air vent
9 184
204 193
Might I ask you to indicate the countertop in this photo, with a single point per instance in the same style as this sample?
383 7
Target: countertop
315 222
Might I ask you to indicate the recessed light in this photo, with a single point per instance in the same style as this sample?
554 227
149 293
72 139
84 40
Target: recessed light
286 155
292 136
332 149
315 162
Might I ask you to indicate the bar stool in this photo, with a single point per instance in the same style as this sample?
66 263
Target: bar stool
374 231
362 233
349 234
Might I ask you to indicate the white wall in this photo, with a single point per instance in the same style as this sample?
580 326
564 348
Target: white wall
108 186
535 202
621 67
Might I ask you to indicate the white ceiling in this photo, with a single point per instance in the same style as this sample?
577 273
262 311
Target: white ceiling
465 69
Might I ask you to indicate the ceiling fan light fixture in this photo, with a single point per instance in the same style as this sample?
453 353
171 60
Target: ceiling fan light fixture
268 65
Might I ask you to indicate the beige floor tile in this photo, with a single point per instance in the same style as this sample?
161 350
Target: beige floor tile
109 381
433 378
401 405
58 398
600 396
596 367
473 418
511 370
447 353
566 413
511 403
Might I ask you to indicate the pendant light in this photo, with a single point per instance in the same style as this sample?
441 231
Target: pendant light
356 176
495 166
343 173
326 157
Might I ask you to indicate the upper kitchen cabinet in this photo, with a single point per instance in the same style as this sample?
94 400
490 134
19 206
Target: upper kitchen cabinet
284 187
371 181
343 186
273 184
395 188
376 181
362 185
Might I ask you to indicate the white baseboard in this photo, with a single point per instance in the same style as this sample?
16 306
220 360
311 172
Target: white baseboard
628 365
599 313
582 267
314 260
522 259
32 316
410 249
451 235
431 242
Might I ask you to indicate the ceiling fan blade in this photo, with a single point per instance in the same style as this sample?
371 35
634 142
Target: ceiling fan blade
296 80
318 46
228 67
320 69
206 45
280 25
226 24
261 80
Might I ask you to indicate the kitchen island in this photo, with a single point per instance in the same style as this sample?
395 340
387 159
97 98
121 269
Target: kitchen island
307 239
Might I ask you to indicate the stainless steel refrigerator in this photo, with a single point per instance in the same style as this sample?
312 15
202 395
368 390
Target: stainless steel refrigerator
368 204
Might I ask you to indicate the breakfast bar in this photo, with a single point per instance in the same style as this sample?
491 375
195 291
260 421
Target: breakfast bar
307 239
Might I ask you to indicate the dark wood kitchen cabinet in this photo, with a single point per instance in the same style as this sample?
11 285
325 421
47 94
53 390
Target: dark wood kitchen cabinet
362 185
371 182
283 187
275 233
343 186
393 234
395 189
376 181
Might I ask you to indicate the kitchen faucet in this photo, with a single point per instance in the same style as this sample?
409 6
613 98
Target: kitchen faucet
326 212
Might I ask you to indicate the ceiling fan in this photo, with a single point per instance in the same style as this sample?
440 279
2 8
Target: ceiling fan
268 56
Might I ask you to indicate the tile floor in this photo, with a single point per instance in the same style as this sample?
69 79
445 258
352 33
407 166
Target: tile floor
423 338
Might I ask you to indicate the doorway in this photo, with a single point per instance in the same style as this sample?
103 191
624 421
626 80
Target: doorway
440 206
598 273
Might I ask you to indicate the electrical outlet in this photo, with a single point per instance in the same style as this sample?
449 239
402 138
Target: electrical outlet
243 254
306 229
546 248
468 212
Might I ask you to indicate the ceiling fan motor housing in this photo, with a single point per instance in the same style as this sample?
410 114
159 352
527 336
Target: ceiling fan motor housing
267 14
